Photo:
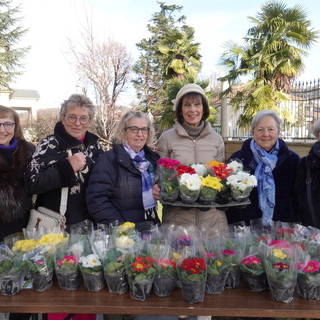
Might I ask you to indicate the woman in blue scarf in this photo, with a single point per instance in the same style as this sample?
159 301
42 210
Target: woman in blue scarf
120 186
274 165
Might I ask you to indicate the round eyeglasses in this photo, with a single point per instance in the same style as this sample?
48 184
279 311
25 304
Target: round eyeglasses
135 129
73 119
7 125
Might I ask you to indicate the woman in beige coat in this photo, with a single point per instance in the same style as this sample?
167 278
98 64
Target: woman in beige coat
192 140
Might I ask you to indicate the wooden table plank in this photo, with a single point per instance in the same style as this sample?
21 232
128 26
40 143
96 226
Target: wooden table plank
238 302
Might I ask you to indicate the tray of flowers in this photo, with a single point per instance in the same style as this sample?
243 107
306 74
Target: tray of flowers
214 184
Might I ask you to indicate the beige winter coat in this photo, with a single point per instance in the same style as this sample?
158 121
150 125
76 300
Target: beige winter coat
176 144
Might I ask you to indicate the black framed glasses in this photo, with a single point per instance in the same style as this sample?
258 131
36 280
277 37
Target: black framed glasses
7 125
135 129
73 119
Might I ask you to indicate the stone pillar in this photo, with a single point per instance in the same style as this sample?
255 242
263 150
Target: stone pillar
224 112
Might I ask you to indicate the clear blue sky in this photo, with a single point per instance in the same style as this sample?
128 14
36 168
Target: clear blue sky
50 22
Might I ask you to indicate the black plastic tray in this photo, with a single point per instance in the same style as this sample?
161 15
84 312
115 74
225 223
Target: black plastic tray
200 205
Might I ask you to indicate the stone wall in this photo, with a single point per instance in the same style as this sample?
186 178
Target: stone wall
301 148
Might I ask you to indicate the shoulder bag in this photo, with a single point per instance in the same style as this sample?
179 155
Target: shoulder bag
44 217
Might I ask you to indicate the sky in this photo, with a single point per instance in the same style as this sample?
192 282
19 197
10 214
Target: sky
51 23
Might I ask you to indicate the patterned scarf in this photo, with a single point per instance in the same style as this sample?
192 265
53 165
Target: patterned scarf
147 176
266 186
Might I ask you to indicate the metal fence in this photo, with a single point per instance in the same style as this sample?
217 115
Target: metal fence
302 111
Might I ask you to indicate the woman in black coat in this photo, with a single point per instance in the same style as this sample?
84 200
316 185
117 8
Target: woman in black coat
274 165
120 186
65 159
308 177
15 202
15 154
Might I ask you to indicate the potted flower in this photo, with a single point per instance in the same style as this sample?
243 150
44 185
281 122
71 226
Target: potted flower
91 270
190 185
253 272
168 181
210 187
241 185
281 270
217 272
308 282
141 271
231 259
41 267
66 270
192 273
220 170
114 271
166 272
12 271
235 166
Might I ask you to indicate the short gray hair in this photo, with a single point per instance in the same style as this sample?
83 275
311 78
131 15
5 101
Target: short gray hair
316 130
78 100
119 132
265 113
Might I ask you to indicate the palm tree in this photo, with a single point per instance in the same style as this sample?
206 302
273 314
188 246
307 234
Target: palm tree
271 57
181 56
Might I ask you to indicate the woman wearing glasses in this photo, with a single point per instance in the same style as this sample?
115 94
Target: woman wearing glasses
65 159
120 186
15 154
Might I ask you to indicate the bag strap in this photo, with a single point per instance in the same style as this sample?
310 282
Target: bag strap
63 201
309 196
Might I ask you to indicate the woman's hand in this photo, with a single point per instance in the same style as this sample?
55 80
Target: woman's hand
77 161
156 191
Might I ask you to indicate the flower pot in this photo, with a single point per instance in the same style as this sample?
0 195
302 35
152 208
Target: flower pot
164 285
308 287
42 282
282 292
207 195
240 196
140 290
11 284
256 283
169 185
224 195
68 280
193 291
233 279
189 197
117 283
216 283
93 281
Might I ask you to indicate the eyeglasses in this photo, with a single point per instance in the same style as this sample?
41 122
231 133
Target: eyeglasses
7 125
73 119
135 129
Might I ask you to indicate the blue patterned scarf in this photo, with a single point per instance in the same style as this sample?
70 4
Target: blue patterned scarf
147 176
266 186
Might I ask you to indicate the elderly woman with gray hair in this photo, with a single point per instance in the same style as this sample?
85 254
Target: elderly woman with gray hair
307 186
274 165
65 160
120 186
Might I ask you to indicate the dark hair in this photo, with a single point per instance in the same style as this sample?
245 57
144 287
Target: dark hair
206 111
78 100
6 112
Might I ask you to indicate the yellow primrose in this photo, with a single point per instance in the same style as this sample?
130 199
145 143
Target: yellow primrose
212 182
278 253
124 227
24 245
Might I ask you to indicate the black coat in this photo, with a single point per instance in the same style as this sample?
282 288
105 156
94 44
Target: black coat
49 171
284 175
15 203
313 162
114 189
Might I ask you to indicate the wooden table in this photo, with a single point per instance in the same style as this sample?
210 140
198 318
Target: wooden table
238 302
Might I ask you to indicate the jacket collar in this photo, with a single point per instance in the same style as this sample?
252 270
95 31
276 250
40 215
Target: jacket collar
181 131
